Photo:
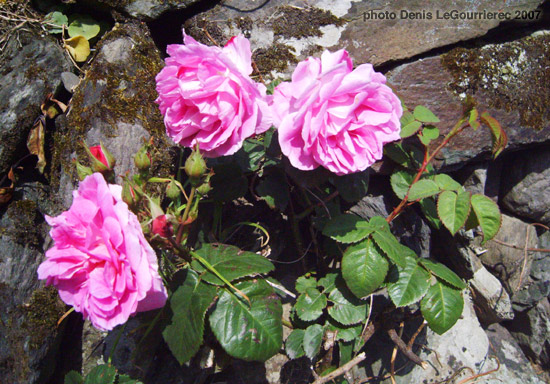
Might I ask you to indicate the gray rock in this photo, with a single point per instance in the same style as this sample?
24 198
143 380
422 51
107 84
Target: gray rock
29 72
29 335
289 31
517 99
145 10
467 345
482 178
531 328
114 105
525 189
509 264
493 304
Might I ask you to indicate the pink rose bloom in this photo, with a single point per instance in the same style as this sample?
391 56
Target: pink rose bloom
334 116
207 96
101 262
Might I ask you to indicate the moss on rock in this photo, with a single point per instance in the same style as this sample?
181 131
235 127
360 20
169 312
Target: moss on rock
514 76
302 22
275 58
42 313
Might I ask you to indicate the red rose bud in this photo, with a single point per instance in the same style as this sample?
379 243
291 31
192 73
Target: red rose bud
101 160
142 159
162 226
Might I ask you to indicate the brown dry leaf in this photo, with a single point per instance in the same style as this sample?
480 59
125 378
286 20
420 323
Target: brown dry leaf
6 193
78 47
52 107
35 142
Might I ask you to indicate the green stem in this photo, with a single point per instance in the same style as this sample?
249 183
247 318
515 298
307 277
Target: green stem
185 215
116 343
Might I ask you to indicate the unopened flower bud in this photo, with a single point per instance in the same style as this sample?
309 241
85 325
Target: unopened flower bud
101 160
205 187
82 171
142 159
172 190
162 226
195 166
131 193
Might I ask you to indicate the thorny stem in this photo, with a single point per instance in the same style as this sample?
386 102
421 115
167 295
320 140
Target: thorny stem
427 159
400 344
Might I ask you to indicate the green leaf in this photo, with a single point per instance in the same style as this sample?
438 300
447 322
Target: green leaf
250 155
409 284
442 307
124 379
271 86
328 282
251 333
303 283
447 183
310 304
83 25
273 188
364 268
352 187
294 344
56 20
430 132
400 183
453 209
346 309
405 154
424 115
422 189
73 377
102 374
429 209
410 129
390 246
230 262
473 119
347 228
313 337
488 215
345 333
189 304
443 273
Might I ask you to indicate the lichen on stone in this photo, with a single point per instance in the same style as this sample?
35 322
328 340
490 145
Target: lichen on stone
292 21
514 76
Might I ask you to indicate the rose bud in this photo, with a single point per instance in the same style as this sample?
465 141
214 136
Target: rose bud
195 167
82 171
162 226
172 190
131 193
142 159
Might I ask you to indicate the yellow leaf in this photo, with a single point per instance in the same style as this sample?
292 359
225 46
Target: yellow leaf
35 142
78 47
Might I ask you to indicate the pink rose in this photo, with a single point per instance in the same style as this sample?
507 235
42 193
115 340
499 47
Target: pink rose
207 96
98 154
334 116
101 262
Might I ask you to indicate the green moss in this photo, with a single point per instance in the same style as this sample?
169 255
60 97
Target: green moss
514 76
126 92
42 313
302 22
275 58
204 30
25 219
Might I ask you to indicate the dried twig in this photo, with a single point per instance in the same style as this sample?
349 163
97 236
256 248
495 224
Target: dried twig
544 250
474 377
400 344
342 370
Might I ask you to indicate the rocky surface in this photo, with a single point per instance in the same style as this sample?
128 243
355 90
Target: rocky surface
497 76
468 345
144 9
115 105
525 190
373 32
30 69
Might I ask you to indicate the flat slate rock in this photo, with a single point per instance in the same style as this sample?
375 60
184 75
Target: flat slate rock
509 80
378 32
